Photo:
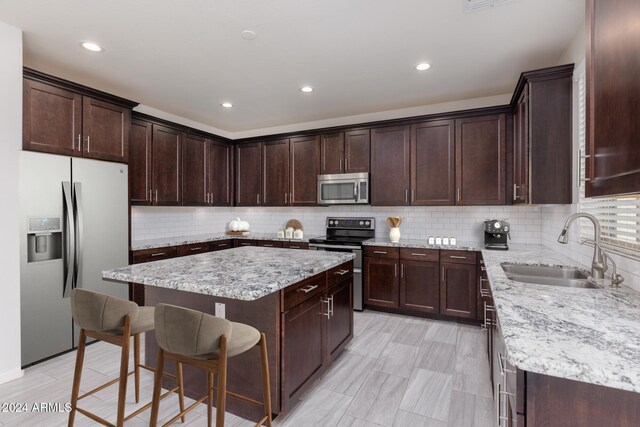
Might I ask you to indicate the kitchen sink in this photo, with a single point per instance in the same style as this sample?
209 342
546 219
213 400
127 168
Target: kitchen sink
554 276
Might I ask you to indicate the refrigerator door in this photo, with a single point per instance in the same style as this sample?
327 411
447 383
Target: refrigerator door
46 320
101 196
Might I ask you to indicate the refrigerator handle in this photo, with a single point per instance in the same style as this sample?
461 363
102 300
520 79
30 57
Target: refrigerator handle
69 240
79 228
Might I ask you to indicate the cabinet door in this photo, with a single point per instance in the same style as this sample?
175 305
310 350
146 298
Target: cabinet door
432 163
357 148
340 324
220 245
480 162
140 163
390 166
194 170
458 290
381 282
613 98
219 180
420 286
166 166
269 243
275 173
105 130
332 153
248 174
521 148
303 347
305 167
51 120
148 255
193 249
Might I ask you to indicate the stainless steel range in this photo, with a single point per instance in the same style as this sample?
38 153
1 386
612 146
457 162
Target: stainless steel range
347 235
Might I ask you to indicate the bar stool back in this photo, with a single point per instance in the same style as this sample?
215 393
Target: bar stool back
204 341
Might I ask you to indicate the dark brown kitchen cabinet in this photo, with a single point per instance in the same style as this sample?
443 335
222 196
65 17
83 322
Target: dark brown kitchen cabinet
381 284
305 166
458 293
433 163
136 291
295 245
248 174
542 160
420 286
613 98
332 153
275 173
220 175
390 167
194 170
166 169
140 163
340 321
345 152
269 243
480 160
105 130
193 249
219 245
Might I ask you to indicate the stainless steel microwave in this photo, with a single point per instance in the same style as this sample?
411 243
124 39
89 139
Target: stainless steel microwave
343 189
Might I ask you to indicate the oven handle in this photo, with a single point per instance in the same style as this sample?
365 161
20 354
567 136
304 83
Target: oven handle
319 245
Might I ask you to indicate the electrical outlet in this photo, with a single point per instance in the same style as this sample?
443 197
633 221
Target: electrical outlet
220 310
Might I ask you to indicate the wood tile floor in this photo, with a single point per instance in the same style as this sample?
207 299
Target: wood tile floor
397 371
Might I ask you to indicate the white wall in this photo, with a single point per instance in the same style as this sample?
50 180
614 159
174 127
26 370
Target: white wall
10 143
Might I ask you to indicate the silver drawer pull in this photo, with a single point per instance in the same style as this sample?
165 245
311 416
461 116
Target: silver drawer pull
158 254
380 252
308 289
223 244
196 249
341 272
294 247
483 268
415 254
267 246
503 369
484 293
457 257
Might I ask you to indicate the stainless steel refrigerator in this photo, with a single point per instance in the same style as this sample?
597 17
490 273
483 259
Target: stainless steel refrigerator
74 225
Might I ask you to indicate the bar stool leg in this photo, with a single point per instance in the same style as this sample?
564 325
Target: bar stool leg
266 388
124 371
222 382
157 386
76 376
210 398
136 364
179 378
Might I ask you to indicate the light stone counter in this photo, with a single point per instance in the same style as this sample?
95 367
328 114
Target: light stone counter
245 273
422 244
203 238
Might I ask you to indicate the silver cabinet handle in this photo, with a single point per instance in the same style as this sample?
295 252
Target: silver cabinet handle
291 198
196 249
267 246
156 196
406 195
222 244
380 252
308 289
79 149
346 163
285 198
515 192
88 144
328 313
340 165
417 254
458 194
457 257
413 195
341 272
503 368
258 199
150 196
483 268
402 270
395 270
484 322
444 275
158 254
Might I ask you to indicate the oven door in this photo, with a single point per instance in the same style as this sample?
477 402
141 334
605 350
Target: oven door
358 302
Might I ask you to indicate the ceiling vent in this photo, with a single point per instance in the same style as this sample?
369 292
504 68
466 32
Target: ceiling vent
476 5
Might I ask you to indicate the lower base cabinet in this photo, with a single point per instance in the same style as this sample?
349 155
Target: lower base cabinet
340 322
381 282
420 286
458 294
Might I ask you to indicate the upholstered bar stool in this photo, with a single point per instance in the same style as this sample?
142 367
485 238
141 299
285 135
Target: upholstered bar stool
204 341
113 320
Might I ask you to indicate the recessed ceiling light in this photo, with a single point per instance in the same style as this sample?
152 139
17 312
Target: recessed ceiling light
93 47
306 89
226 105
423 66
248 35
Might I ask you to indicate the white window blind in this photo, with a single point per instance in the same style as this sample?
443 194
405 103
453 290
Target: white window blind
619 216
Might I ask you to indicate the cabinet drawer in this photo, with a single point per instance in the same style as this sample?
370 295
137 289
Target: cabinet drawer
302 291
339 274
381 252
269 244
460 257
420 254
245 242
221 244
193 248
147 255
295 245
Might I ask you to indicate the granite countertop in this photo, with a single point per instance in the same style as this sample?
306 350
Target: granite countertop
588 335
422 244
202 238
246 273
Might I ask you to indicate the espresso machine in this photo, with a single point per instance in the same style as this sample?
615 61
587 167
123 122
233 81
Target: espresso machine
496 233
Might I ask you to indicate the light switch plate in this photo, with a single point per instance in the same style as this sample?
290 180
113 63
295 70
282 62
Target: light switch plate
220 310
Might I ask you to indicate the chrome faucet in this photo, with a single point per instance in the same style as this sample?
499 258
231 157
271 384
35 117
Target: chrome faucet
598 264
616 278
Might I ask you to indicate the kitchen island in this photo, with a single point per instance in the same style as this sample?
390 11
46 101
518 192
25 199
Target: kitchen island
301 300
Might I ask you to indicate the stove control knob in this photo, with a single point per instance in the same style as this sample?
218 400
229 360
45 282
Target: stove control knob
497 224
331 222
367 223
361 222
506 229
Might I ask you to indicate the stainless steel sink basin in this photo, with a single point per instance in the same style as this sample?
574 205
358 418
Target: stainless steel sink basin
555 276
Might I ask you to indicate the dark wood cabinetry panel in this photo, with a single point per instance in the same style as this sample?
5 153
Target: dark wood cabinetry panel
193 249
219 245
52 119
613 98
332 153
269 243
147 255
340 324
140 163
381 282
220 176
194 170
248 174
295 245
357 149
480 160
105 130
433 163
275 173
390 147
521 148
458 291
305 167
166 166
420 286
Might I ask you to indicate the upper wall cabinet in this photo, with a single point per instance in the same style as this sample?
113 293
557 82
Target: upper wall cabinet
248 174
542 161
60 117
390 148
140 163
613 98
304 155
345 152
219 173
275 173
480 160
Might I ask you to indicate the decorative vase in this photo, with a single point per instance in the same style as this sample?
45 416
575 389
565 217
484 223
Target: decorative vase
394 234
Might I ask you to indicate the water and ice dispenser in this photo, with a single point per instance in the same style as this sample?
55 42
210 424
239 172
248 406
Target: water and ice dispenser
44 239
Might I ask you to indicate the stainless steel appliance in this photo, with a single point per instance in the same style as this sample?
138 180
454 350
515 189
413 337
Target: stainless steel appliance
74 224
496 233
343 189
347 235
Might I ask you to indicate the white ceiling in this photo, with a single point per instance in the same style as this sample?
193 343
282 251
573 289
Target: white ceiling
186 57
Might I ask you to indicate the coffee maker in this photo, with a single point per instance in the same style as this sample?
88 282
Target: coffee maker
496 233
